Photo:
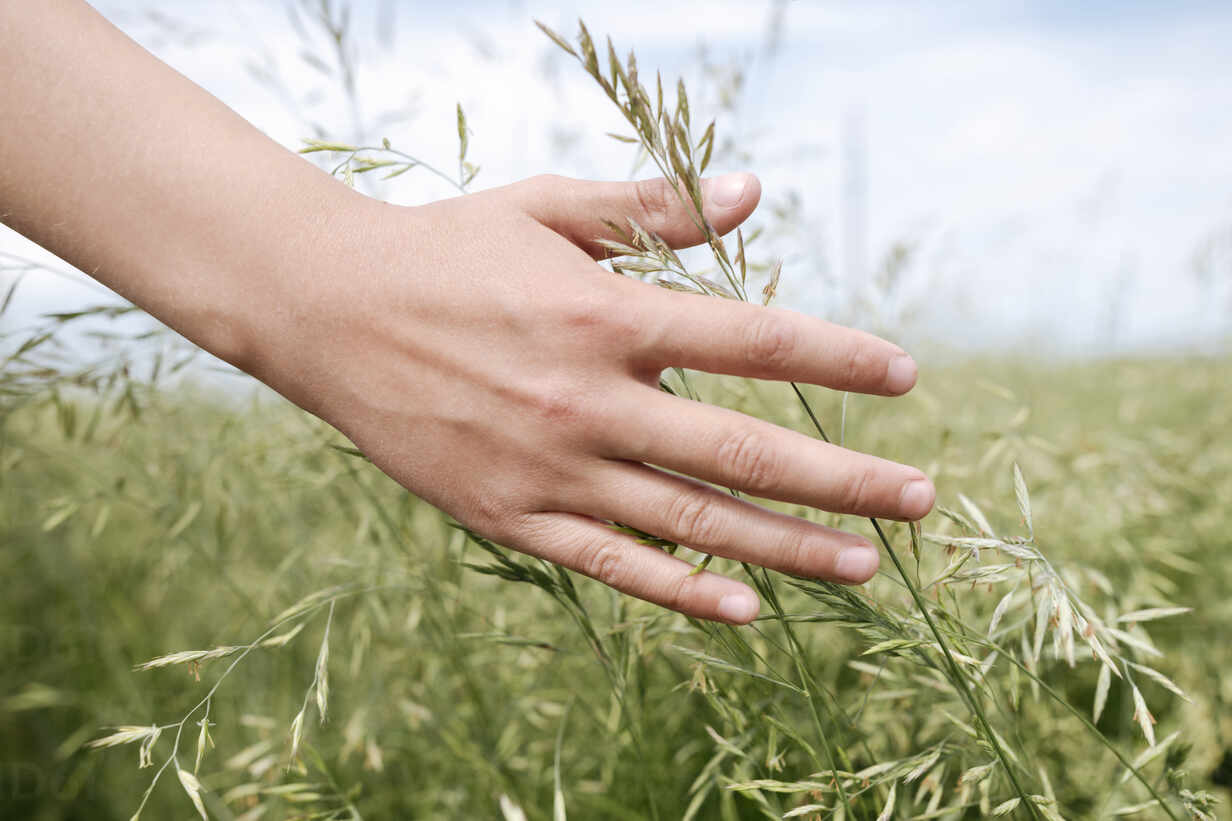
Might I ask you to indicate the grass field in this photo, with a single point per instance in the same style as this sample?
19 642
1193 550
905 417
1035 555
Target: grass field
459 694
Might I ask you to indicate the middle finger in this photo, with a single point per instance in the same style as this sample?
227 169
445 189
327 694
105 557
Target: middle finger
743 453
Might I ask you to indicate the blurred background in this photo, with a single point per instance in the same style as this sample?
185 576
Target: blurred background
1035 198
1050 176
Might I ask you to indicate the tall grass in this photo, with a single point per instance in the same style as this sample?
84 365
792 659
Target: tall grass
468 686
362 657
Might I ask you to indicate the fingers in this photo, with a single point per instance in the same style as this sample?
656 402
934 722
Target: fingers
598 551
712 521
737 451
576 209
725 336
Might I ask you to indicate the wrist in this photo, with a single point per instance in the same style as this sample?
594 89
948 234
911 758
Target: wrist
267 273
293 295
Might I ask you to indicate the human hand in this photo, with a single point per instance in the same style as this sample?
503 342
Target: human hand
476 353
472 348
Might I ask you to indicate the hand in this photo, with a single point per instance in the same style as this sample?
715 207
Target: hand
472 348
476 353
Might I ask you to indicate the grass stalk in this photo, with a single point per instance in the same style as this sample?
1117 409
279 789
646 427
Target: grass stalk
960 681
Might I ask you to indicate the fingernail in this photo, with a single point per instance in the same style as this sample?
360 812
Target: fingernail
856 564
727 191
917 499
901 373
739 608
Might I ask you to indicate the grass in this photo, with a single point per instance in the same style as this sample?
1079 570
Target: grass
450 688
1048 645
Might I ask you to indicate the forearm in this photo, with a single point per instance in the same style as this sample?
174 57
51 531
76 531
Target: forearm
151 185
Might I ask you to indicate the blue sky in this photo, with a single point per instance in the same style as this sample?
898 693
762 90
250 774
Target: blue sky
1056 165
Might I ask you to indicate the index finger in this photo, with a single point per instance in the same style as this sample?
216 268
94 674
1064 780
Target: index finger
726 336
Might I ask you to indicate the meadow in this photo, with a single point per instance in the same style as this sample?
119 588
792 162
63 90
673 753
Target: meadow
217 608
177 521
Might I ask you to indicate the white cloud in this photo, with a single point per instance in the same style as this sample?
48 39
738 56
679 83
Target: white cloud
1049 164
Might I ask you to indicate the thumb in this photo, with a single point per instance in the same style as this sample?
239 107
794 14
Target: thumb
576 209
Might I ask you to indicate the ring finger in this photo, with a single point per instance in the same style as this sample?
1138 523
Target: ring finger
708 520
733 450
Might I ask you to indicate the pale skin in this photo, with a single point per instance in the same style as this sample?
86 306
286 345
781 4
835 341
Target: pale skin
472 348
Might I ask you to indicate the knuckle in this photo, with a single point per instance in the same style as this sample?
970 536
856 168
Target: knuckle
587 309
771 342
604 560
496 517
653 199
559 404
856 489
613 321
859 367
624 327
694 517
678 592
794 552
751 460
543 184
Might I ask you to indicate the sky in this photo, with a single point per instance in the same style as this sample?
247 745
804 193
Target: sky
1054 167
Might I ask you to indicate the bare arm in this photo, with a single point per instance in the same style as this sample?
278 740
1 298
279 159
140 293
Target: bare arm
129 171
472 348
